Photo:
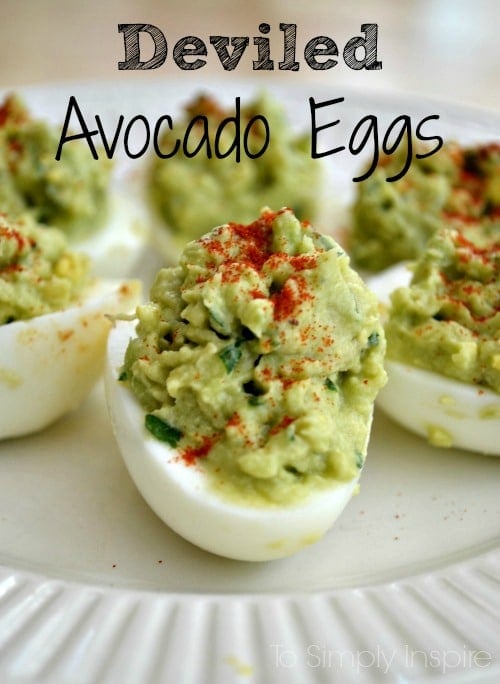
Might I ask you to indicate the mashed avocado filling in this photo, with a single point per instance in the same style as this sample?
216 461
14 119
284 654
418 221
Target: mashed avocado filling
38 274
448 319
393 221
259 358
194 194
70 194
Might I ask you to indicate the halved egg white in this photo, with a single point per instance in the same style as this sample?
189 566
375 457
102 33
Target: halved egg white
181 494
447 412
385 282
120 247
48 364
166 241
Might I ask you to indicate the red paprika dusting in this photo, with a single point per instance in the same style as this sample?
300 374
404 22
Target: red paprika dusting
252 245
468 176
13 234
191 454
292 294
254 248
304 261
232 272
467 289
5 112
12 111
306 333
15 146
459 216
234 421
256 294
205 105
484 253
12 268
282 425
471 289
253 240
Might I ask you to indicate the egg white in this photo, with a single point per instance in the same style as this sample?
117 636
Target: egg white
121 247
181 495
163 239
48 364
427 403
385 282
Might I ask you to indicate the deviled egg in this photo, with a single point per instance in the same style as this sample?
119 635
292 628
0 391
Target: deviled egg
392 221
53 325
242 398
237 159
443 339
85 198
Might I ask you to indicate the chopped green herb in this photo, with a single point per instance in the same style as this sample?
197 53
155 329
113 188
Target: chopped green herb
255 401
373 339
218 324
230 355
324 241
162 430
329 384
360 460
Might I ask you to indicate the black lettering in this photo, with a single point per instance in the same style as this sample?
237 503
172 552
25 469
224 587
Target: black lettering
204 138
220 43
235 145
132 47
368 44
315 128
371 131
289 43
156 138
264 60
109 149
129 153
426 138
389 148
181 50
246 135
85 134
313 50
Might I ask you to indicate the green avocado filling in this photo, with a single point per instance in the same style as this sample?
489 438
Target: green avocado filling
392 221
70 194
284 175
448 319
38 273
259 358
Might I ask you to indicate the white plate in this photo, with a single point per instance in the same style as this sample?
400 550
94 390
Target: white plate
94 588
